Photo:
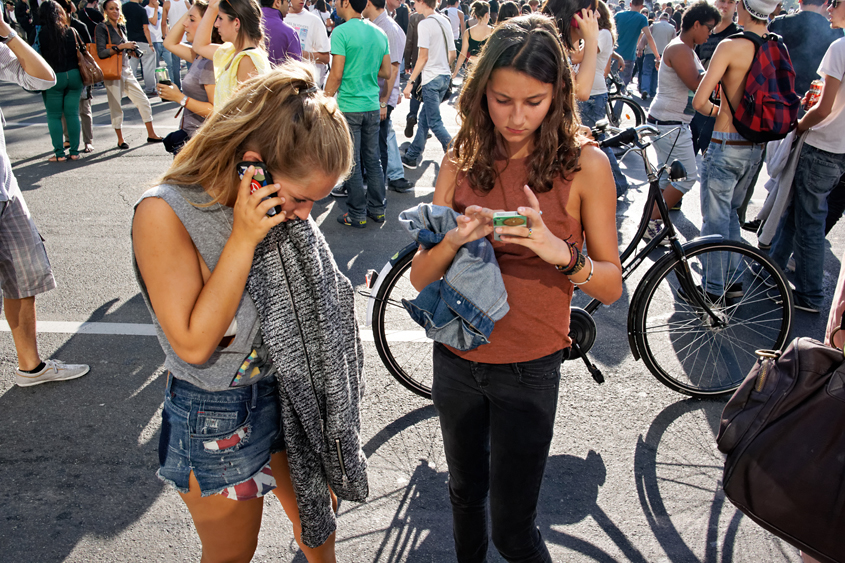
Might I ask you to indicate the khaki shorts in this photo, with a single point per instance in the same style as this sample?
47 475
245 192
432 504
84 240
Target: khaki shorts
24 267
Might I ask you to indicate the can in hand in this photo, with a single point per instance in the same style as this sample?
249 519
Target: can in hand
813 95
162 77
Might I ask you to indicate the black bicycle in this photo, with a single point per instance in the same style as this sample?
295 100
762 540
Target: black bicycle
623 111
695 318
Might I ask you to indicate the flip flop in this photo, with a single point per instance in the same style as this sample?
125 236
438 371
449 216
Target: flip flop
74 157
123 146
57 159
88 149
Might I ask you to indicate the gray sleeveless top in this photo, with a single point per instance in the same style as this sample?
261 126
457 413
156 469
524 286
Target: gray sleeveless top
209 228
673 101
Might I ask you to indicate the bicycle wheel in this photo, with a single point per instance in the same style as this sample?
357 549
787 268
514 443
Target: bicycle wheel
624 112
682 345
401 342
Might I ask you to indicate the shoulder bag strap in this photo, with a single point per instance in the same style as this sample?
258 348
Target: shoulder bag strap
79 45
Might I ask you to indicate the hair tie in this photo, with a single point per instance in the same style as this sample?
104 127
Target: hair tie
297 91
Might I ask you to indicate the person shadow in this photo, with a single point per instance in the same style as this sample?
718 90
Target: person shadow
79 457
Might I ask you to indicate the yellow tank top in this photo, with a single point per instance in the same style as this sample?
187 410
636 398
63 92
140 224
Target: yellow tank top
226 61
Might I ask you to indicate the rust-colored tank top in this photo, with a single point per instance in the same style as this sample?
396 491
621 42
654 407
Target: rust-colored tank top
537 323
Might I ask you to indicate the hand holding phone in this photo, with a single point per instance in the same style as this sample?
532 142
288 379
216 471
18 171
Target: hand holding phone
260 178
507 219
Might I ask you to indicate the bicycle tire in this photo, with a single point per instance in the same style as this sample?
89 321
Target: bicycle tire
677 340
401 343
628 114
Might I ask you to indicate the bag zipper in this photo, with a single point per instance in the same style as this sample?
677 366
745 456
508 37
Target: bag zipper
761 377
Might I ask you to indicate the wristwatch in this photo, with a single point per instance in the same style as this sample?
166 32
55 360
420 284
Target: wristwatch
382 105
183 101
9 37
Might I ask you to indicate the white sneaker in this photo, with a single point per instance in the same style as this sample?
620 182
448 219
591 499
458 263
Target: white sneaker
54 370
652 230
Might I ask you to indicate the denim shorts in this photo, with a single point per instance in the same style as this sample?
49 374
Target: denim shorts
224 437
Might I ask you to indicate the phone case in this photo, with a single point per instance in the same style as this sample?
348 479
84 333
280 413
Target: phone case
508 219
260 179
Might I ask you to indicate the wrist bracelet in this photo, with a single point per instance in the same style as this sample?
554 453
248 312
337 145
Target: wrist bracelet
575 268
592 265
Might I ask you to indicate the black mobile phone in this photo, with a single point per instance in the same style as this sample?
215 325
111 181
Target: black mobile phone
260 179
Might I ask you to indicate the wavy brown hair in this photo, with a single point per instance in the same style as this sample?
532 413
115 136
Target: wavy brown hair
528 44
296 131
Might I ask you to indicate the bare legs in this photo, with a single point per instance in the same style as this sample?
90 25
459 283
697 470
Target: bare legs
20 314
672 196
228 529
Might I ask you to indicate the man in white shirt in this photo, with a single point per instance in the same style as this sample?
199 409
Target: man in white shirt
312 35
173 10
158 29
434 62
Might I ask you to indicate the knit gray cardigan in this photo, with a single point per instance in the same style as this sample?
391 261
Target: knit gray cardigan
307 312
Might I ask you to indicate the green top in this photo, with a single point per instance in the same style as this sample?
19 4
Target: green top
364 45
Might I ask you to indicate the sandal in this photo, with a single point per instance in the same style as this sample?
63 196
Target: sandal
57 159
123 146
67 144
88 148
74 157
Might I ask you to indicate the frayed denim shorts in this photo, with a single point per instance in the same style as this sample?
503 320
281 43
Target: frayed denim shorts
224 437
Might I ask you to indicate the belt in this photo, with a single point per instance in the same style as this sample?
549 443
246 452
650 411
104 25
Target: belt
654 121
735 143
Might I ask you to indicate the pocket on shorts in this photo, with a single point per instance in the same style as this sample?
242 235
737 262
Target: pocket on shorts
220 430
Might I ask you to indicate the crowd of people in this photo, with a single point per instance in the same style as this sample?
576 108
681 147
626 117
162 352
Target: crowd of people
287 102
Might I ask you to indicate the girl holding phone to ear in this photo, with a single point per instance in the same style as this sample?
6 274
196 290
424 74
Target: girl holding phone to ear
517 150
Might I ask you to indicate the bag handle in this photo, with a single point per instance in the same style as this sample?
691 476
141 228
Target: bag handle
79 45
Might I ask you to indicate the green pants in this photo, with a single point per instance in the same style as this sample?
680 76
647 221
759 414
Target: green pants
63 99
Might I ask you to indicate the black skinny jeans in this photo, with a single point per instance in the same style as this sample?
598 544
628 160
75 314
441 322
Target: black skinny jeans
497 422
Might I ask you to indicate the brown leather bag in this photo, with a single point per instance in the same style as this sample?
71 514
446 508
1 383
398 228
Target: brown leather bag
784 435
112 67
89 70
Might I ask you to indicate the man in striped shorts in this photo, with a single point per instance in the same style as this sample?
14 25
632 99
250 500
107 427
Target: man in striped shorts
24 267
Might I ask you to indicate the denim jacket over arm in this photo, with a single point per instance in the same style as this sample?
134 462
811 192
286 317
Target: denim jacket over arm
460 309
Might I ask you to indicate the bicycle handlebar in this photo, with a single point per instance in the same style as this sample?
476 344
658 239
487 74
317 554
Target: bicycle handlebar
625 137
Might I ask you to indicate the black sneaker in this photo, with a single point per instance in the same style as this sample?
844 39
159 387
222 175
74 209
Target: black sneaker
339 191
751 226
378 218
802 305
345 219
409 126
409 162
734 291
400 186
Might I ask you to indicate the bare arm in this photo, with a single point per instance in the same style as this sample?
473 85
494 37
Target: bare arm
681 59
822 109
651 43
194 306
31 62
246 69
589 25
318 57
335 75
202 38
463 56
718 66
422 59
386 67
172 41
147 34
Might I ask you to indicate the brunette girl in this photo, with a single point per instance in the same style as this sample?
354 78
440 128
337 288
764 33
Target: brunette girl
475 37
242 54
517 150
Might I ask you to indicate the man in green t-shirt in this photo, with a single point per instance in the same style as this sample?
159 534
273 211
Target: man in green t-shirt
360 56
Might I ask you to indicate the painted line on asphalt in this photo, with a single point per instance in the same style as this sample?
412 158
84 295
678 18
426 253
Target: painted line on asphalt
18 124
138 329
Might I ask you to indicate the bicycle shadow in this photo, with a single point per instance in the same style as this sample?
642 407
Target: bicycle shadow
79 457
678 473
409 497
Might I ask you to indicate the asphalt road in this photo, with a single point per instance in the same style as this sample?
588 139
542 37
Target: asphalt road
634 473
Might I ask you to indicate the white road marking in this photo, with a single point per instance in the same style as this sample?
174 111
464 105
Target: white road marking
138 329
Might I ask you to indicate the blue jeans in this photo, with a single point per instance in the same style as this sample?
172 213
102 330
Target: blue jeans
364 127
726 175
414 108
497 422
817 174
649 82
628 73
432 94
395 171
591 112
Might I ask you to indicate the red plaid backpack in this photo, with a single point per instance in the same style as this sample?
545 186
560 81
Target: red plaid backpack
768 109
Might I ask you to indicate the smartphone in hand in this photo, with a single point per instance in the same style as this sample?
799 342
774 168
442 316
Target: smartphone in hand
507 219
260 178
